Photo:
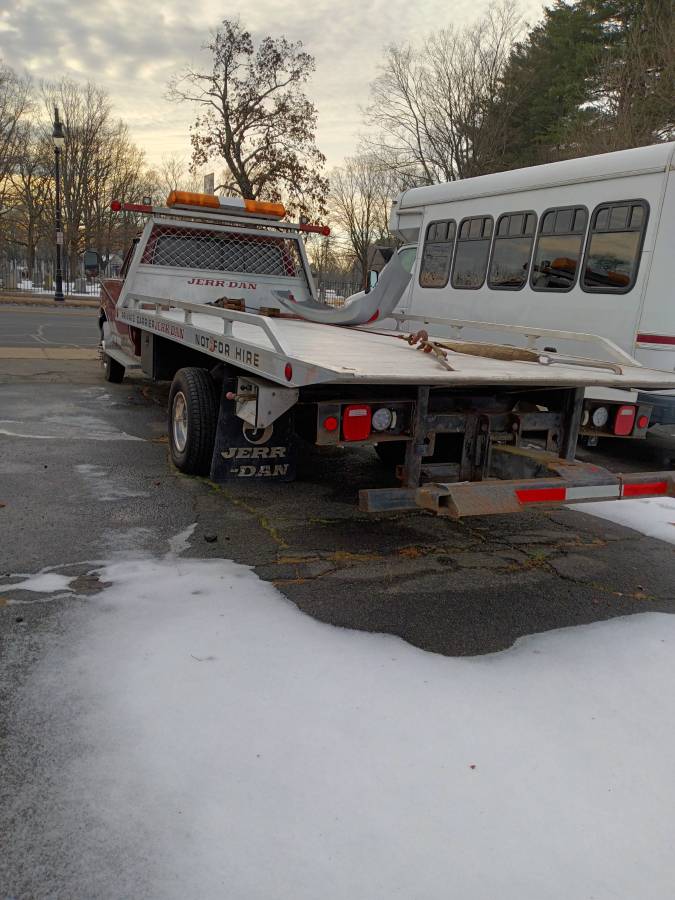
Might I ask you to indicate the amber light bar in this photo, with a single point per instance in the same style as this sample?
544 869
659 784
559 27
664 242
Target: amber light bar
237 205
232 205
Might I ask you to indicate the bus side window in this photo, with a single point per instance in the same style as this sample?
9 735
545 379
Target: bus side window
437 253
558 249
512 250
613 252
473 251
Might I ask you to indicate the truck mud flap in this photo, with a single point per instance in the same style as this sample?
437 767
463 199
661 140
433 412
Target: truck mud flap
243 453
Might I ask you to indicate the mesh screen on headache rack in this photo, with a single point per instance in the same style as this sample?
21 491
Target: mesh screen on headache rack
223 252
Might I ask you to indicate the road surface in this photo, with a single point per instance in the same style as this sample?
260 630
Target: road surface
35 326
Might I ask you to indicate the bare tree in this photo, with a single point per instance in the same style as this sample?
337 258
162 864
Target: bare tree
435 107
99 163
173 174
15 102
255 116
328 259
359 202
31 187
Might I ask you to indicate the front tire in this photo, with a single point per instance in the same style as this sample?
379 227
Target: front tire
112 370
193 418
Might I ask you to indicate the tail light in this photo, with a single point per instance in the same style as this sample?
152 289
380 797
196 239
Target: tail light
356 422
624 420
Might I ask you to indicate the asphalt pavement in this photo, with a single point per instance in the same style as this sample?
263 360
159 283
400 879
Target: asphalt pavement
35 326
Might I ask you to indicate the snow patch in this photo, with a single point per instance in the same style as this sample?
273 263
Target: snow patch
103 486
19 434
128 543
44 582
66 427
181 542
653 516
240 748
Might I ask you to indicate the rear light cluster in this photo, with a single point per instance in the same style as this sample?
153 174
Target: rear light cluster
622 421
359 422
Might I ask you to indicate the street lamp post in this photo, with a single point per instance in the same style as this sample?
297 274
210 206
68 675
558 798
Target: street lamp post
59 140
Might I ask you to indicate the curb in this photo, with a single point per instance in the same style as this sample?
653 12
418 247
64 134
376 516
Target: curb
27 299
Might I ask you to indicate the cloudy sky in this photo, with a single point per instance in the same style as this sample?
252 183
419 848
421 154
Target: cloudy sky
131 47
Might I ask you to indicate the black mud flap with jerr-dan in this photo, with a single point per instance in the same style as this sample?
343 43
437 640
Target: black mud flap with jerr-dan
243 453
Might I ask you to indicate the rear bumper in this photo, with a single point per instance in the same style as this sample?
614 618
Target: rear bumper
495 497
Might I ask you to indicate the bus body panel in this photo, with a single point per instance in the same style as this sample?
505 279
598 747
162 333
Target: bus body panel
655 341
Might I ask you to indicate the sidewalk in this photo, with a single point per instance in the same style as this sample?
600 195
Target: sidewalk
26 298
48 353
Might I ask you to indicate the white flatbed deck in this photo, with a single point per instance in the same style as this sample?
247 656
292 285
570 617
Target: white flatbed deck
326 354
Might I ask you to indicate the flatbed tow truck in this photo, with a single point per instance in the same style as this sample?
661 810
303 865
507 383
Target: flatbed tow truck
216 294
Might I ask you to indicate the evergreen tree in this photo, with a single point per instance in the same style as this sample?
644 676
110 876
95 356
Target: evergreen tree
547 83
592 76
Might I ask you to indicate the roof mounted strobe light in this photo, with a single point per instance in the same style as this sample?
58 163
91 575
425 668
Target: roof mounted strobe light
232 205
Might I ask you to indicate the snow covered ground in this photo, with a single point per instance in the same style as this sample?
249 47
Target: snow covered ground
238 748
653 516
92 288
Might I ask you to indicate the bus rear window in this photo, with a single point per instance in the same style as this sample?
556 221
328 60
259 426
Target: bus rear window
558 250
613 252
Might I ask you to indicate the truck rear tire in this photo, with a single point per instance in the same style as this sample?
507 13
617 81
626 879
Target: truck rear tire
112 370
193 418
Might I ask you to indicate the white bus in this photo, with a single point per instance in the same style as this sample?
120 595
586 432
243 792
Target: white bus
581 245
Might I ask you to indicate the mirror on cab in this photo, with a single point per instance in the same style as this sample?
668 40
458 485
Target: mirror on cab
372 279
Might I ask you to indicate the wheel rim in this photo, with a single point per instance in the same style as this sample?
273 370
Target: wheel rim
179 424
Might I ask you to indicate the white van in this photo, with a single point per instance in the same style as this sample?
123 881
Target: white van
580 245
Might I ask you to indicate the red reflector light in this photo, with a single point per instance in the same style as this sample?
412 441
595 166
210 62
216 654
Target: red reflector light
315 229
330 423
643 421
288 371
540 495
356 422
116 206
137 207
646 489
624 420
